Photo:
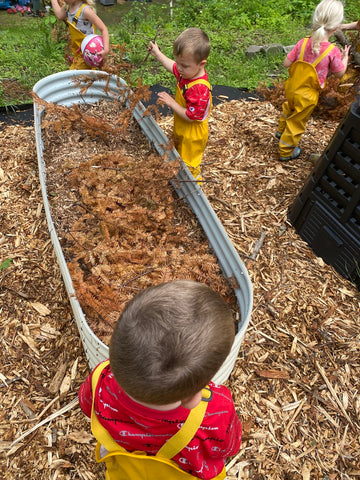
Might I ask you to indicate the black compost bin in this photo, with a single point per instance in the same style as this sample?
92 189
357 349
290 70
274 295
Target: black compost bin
326 213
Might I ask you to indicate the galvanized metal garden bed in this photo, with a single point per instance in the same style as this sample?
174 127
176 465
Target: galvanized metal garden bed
61 89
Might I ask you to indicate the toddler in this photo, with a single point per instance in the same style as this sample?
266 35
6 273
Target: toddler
310 61
82 20
193 99
166 347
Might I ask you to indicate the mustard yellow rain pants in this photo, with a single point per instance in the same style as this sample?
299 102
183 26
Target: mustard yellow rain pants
190 137
302 91
296 112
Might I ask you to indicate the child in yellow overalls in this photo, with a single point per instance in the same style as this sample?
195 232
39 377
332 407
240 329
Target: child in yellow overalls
167 345
193 101
310 61
82 20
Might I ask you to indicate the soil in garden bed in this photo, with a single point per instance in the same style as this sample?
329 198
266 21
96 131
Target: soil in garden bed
120 224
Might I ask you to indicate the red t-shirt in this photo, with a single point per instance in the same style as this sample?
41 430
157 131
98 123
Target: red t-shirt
136 427
332 62
197 97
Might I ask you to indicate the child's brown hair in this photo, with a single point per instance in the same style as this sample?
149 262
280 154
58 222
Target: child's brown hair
170 341
193 41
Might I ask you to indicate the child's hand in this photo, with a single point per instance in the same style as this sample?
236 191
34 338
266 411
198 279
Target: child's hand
167 99
345 51
153 48
103 55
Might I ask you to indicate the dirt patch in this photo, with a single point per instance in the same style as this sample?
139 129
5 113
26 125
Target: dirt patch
14 92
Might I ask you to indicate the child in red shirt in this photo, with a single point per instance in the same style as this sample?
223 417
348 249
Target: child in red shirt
169 342
193 101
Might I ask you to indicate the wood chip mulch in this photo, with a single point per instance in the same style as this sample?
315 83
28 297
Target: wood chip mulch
296 383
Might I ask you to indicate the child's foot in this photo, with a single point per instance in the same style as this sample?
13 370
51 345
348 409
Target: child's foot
295 154
278 135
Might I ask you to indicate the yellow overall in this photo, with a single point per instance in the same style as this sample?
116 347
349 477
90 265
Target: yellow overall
191 136
124 465
302 94
78 63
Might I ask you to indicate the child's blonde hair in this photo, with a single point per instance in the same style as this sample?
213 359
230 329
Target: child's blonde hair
328 16
170 340
91 3
193 41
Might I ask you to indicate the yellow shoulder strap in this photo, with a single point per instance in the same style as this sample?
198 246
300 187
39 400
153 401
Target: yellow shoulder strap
302 51
179 441
99 432
76 18
78 13
323 55
173 446
197 82
320 57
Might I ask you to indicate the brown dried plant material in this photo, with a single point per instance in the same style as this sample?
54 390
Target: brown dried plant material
121 226
334 98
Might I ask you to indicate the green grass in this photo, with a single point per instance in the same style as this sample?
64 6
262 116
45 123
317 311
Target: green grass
227 63
29 51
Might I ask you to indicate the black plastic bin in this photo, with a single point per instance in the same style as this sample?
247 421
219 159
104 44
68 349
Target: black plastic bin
326 213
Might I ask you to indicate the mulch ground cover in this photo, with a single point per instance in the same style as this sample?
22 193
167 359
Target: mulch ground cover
296 382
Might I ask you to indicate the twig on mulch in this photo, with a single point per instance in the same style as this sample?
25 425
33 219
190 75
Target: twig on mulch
257 248
51 417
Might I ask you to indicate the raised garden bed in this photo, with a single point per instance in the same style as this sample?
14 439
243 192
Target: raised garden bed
106 203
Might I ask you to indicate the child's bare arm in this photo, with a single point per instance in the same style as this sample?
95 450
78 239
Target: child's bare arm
93 18
287 63
350 26
164 97
165 61
59 9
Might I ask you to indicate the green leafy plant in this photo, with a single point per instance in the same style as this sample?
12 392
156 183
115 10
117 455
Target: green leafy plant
5 264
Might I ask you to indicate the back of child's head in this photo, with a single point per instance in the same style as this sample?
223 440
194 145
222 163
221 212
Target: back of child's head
193 41
170 340
327 17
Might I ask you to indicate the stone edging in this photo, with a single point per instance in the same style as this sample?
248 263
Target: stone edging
270 49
